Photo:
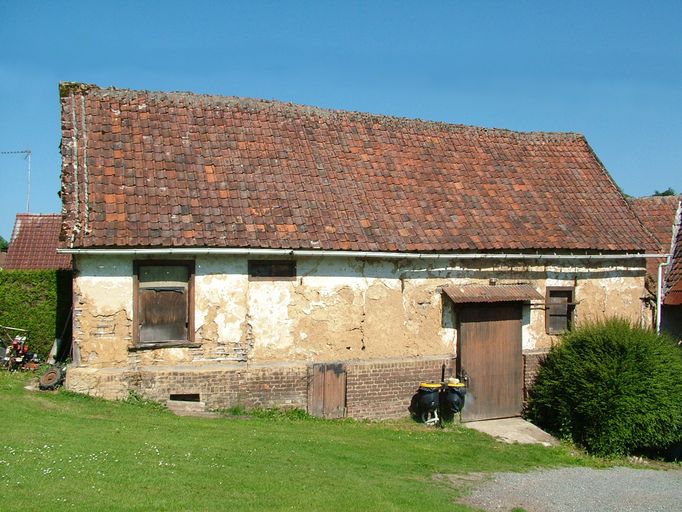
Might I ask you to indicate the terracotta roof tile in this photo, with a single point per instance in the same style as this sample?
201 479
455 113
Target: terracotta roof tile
164 169
673 287
657 213
34 243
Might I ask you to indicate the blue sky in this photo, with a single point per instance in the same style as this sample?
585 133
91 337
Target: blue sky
611 70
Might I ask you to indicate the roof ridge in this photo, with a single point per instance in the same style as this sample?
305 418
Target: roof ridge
69 88
671 198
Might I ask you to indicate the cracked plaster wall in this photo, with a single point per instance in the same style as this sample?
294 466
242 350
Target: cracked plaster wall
103 310
335 309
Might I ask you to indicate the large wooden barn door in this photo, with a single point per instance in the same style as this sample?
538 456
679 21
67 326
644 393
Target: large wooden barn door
327 392
489 354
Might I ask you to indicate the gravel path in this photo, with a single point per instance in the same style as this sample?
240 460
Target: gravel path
581 489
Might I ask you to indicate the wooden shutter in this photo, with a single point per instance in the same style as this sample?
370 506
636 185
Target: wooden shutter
559 310
163 301
163 314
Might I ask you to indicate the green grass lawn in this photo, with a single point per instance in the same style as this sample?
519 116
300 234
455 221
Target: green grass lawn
70 452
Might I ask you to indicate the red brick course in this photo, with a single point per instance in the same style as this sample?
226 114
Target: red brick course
531 367
378 389
226 387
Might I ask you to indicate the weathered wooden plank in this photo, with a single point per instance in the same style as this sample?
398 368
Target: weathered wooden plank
335 391
316 391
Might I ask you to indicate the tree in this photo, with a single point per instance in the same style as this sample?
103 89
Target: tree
4 244
667 192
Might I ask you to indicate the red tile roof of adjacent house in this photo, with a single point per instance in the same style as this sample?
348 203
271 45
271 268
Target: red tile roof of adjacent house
657 213
673 287
151 169
34 243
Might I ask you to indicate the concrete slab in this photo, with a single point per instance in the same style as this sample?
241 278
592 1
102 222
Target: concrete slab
513 430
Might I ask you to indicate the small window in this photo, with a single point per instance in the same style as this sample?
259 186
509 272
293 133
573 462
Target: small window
163 301
272 269
559 308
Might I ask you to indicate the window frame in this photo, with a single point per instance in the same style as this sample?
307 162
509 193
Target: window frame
190 265
570 309
258 262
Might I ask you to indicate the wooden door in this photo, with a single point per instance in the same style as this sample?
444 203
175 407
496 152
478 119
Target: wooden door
489 355
327 392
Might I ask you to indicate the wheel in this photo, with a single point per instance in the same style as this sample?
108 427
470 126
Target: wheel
429 417
52 378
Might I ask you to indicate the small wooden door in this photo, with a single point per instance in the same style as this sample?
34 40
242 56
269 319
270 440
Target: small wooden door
489 355
327 392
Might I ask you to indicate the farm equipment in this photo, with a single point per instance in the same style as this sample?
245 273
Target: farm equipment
14 351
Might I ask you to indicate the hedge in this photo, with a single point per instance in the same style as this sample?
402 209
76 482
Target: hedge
38 301
613 388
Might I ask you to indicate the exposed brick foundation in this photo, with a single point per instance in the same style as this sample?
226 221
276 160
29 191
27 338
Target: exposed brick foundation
375 389
383 389
223 386
531 367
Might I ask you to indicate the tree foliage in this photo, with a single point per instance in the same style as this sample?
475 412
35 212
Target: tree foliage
4 244
613 388
667 192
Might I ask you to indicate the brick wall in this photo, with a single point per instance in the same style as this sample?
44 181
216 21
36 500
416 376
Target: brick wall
227 386
531 366
375 389
383 389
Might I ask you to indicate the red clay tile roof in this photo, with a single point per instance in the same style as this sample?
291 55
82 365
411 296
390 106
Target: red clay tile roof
494 293
657 213
148 169
673 294
34 243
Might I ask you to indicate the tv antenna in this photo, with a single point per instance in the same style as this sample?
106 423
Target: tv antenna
27 156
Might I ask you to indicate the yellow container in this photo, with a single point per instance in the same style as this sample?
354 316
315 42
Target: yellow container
430 385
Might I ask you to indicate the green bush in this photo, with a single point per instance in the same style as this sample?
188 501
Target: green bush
612 388
38 301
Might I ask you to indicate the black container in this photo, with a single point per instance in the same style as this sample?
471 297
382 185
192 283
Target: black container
425 402
452 400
